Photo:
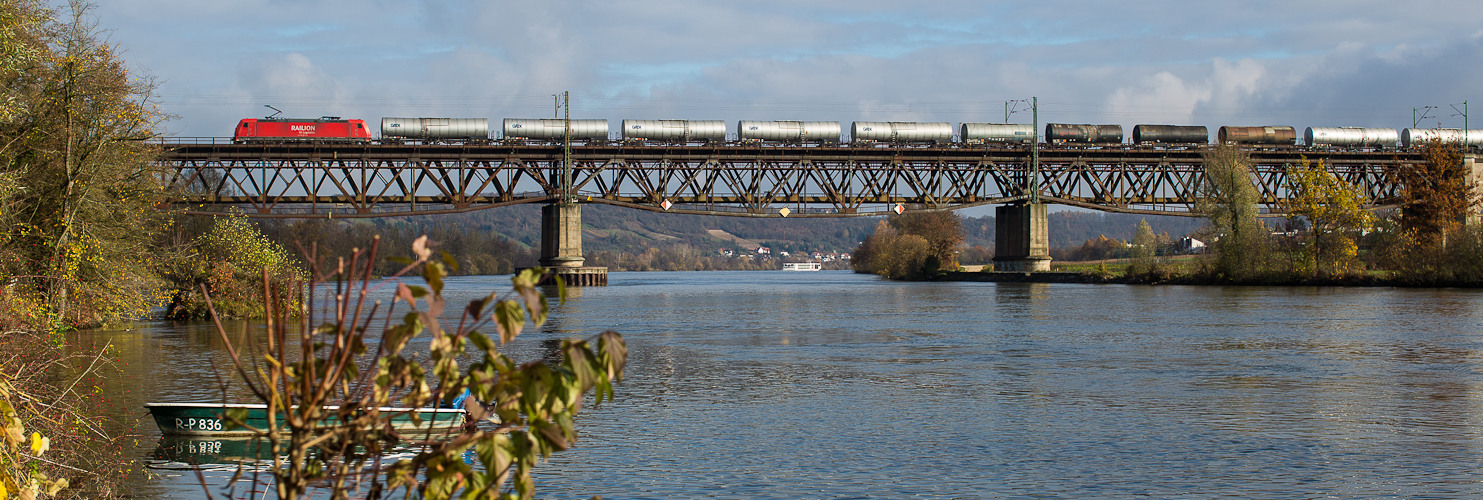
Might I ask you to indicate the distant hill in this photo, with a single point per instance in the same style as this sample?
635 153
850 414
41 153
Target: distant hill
609 228
627 231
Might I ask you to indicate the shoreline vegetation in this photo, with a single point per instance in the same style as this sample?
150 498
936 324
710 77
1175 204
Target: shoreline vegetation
1116 278
1326 237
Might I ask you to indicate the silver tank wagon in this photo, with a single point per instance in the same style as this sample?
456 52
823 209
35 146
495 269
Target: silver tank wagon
788 131
1416 137
982 133
435 128
1353 137
1170 134
1093 134
934 132
674 130
553 129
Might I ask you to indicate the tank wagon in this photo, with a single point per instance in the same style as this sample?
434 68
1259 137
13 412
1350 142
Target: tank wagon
1351 137
1273 135
1082 133
552 129
674 130
323 129
1170 134
1417 137
787 131
435 129
996 133
900 132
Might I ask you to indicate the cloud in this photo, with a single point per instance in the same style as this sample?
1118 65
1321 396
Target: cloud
291 76
1206 63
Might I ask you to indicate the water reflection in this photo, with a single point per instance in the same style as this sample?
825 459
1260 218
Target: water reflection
780 385
172 451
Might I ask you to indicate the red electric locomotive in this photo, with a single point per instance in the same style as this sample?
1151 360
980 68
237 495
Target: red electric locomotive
329 128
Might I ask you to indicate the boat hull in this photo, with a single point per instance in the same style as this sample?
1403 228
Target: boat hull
206 419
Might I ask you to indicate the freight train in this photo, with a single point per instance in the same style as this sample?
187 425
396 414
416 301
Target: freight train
967 134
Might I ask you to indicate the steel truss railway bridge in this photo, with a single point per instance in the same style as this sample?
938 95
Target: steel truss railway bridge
307 180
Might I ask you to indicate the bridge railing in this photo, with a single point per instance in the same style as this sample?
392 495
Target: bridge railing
191 141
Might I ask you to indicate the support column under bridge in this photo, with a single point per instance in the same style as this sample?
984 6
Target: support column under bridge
1474 169
561 246
1021 238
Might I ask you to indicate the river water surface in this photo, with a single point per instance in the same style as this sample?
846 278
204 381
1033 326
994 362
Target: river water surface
836 385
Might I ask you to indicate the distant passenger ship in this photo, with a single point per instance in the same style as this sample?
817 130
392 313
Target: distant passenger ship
802 266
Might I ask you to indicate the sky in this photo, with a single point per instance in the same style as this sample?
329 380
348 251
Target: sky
1299 63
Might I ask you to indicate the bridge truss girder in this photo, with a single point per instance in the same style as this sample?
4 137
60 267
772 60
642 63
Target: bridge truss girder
349 180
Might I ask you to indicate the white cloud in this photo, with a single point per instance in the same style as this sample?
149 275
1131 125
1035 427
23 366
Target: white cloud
957 60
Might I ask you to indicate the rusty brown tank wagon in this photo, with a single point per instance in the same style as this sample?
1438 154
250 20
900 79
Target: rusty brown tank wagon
1266 136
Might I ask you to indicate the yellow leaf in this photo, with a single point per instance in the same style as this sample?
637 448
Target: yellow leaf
56 486
39 444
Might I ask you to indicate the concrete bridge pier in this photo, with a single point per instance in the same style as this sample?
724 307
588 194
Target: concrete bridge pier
561 246
1474 169
1021 237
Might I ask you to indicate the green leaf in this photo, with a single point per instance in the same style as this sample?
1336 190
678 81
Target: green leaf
614 353
433 273
449 261
510 319
527 278
481 341
551 434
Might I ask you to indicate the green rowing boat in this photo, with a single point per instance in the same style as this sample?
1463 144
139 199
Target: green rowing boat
206 419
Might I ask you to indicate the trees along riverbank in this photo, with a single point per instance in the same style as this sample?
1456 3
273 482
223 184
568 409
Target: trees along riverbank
1327 238
82 243
78 247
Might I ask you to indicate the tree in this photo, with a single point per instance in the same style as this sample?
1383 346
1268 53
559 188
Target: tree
1334 209
1431 245
1142 248
942 230
1228 199
1144 241
1435 195
77 183
896 255
905 257
228 263
863 259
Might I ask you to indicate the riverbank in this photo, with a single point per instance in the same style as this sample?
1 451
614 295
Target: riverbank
1367 280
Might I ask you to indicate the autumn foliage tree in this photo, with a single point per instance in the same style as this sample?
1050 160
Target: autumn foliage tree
1228 198
77 187
1432 246
1435 194
911 246
1335 213
943 231
228 262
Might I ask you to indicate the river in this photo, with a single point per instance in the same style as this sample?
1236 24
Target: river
835 385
